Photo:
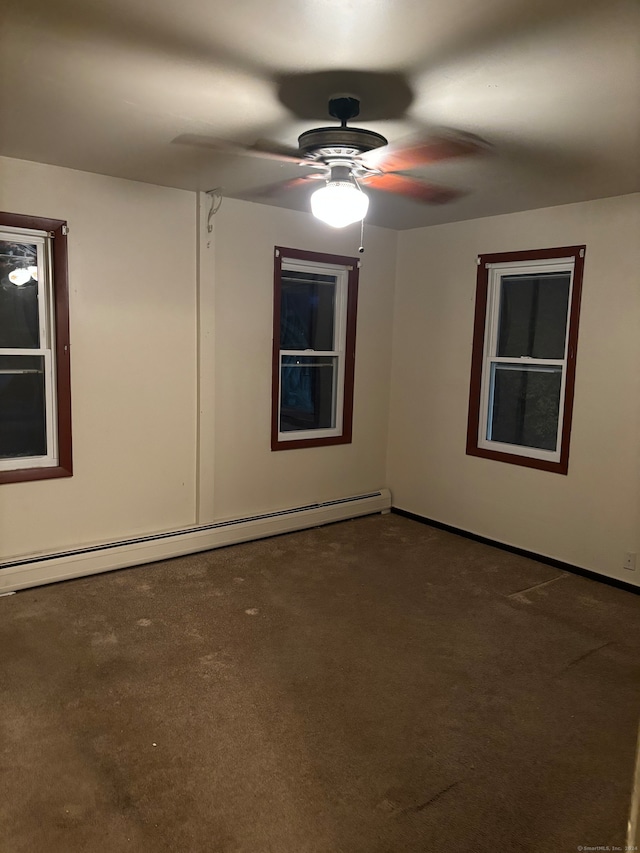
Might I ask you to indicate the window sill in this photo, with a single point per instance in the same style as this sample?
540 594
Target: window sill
293 444
560 467
23 475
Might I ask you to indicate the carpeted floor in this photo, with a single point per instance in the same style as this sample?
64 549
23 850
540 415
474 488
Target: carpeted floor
375 686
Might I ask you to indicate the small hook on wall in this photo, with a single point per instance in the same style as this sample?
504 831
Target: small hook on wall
216 200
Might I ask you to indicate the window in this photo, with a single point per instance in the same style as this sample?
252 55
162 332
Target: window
35 399
524 356
314 330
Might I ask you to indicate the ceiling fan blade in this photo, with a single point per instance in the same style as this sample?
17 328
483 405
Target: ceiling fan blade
411 188
261 148
272 190
267 148
398 157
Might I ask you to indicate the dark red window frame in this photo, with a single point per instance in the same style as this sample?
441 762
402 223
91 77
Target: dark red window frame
577 252
60 284
351 264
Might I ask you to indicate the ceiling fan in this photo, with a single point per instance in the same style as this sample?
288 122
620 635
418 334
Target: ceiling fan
347 158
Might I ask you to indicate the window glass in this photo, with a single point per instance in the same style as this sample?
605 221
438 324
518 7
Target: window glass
524 356
19 320
35 379
22 406
314 328
308 390
307 311
525 405
533 315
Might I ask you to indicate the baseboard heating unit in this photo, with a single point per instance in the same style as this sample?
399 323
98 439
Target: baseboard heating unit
34 570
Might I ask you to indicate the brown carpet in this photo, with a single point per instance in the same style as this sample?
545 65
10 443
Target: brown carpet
375 686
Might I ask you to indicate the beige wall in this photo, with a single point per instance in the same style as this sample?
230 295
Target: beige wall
592 516
142 320
248 476
133 315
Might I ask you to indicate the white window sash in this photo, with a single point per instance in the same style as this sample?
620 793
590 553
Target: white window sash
339 343
47 347
496 273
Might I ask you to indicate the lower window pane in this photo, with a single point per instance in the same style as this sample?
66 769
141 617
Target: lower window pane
22 407
307 392
525 405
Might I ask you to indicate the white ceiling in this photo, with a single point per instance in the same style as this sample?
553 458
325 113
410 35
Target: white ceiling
552 85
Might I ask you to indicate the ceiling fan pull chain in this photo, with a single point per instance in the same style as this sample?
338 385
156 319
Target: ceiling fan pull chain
361 247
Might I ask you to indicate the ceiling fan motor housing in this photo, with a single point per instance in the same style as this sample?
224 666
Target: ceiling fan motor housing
339 146
351 141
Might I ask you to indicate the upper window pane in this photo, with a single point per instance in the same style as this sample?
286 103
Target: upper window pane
19 319
307 311
533 315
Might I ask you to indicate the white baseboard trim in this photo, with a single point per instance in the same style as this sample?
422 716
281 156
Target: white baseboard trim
49 568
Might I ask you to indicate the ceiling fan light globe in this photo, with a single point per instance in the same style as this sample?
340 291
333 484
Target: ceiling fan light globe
339 203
